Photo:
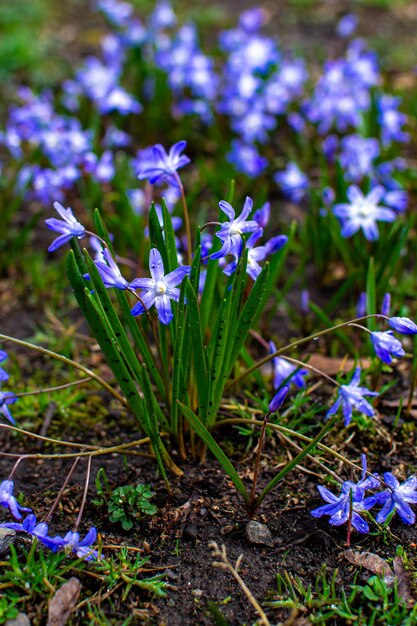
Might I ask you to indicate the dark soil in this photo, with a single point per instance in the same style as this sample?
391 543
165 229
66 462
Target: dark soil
203 507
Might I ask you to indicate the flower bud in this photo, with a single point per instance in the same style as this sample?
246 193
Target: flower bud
403 325
278 399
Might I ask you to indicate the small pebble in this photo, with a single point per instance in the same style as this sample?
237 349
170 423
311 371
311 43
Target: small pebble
256 532
21 620
7 537
197 593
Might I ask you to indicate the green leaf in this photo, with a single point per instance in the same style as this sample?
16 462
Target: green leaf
179 370
200 362
253 305
371 294
170 244
215 449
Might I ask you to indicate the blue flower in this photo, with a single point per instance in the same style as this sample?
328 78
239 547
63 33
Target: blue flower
362 304
398 498
8 500
386 345
386 304
257 254
6 398
403 325
82 548
159 289
40 531
391 120
347 25
162 167
3 374
246 158
363 212
68 227
278 400
293 182
350 503
109 272
231 232
284 371
351 397
357 156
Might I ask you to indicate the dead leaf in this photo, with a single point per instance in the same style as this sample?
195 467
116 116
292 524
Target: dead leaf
63 602
334 365
404 579
373 562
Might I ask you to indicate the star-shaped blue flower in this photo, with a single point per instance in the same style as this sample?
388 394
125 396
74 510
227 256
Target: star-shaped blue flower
163 166
109 272
160 289
8 500
40 531
3 374
6 398
69 227
351 397
398 498
350 503
286 371
231 232
82 547
386 345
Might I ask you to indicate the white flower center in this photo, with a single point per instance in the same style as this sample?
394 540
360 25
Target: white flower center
160 287
234 230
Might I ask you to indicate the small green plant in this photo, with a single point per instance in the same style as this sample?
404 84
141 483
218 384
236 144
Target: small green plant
125 504
7 610
130 503
373 603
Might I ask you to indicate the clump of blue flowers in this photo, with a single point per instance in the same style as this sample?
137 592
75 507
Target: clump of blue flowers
40 530
353 503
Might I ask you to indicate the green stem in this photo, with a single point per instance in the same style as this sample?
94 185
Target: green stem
299 342
70 362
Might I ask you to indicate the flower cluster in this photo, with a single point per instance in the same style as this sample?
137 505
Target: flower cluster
352 502
29 526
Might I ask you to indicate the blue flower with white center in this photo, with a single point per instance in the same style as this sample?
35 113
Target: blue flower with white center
403 325
386 345
363 212
391 120
350 503
3 374
284 371
8 500
82 547
397 498
293 182
257 254
39 531
396 199
351 397
231 232
69 227
246 158
358 155
6 398
160 289
109 272
162 167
